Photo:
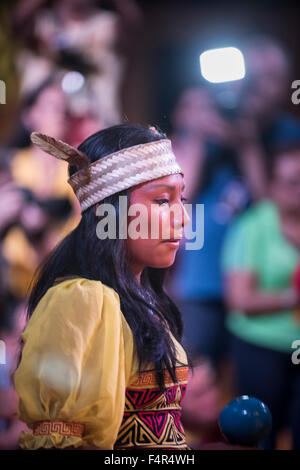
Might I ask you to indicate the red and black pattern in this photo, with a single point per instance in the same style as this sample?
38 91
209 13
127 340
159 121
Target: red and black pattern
152 418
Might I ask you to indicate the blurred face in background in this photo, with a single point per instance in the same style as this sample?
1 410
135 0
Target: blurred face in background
196 114
266 85
48 113
285 183
193 109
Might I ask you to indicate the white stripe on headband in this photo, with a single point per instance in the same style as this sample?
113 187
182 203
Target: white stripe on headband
122 170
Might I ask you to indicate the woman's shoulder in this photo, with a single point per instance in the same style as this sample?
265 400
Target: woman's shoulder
78 301
83 286
81 289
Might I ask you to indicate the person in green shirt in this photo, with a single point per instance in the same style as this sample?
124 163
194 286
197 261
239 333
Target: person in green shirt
260 253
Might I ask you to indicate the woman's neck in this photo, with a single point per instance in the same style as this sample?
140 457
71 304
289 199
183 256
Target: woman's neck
136 269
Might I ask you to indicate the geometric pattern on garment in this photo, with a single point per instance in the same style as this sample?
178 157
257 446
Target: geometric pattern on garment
151 417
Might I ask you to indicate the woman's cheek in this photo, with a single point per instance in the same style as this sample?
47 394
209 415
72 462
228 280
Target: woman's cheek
153 222
165 223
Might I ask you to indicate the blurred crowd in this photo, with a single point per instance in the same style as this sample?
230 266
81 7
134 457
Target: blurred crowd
240 152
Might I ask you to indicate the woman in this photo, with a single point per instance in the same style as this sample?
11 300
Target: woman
261 252
102 365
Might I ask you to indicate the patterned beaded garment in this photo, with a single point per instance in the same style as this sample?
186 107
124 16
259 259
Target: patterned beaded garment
152 417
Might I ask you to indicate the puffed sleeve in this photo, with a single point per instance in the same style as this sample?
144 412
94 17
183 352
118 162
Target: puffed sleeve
75 366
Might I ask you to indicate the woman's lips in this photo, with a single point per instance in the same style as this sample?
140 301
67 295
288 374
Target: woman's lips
173 243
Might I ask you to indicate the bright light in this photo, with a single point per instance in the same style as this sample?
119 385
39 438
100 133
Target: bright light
72 82
222 65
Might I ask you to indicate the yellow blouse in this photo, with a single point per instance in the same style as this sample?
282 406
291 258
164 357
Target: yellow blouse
77 361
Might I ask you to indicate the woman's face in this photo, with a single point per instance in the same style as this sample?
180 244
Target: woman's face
157 197
48 113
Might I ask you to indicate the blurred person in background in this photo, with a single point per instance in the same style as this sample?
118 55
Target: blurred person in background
202 405
28 228
39 185
12 314
10 199
223 147
261 251
32 236
12 323
81 36
43 110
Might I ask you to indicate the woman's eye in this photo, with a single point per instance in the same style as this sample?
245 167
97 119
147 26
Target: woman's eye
161 201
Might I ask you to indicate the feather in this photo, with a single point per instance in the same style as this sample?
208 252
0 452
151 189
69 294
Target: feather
60 149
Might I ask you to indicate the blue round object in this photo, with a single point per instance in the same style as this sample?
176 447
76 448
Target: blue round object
245 421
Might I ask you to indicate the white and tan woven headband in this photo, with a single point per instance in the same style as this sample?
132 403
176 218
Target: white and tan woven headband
111 174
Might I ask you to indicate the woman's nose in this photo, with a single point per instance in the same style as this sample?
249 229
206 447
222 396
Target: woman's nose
181 217
186 217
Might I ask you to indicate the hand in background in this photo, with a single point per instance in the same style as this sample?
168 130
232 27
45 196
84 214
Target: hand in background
200 406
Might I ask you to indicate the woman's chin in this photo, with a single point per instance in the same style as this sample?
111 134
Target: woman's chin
164 263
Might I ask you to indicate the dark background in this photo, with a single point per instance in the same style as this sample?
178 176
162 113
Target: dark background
175 32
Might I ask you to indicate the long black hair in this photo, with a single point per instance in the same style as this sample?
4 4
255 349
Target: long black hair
76 254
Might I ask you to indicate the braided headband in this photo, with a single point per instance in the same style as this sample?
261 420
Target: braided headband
113 173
